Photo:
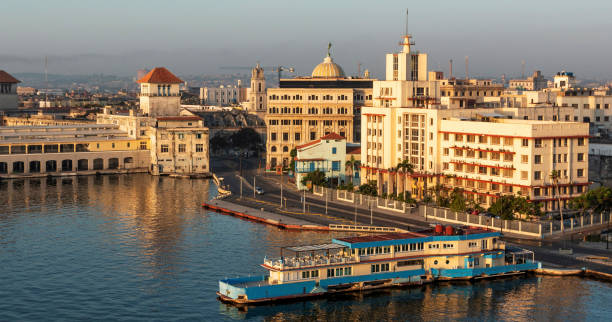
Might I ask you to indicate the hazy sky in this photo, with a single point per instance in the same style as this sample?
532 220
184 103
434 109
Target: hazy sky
196 37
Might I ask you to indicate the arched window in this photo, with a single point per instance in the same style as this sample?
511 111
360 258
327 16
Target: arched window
273 148
285 149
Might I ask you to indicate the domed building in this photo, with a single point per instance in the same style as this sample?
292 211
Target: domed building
304 109
328 69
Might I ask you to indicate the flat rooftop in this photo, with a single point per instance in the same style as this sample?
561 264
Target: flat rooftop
373 238
428 235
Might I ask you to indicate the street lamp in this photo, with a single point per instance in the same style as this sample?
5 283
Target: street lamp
370 206
355 205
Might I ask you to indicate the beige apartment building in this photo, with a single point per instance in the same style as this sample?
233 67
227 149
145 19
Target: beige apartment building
303 109
497 151
488 159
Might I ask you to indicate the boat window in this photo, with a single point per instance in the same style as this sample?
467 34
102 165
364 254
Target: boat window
410 263
436 262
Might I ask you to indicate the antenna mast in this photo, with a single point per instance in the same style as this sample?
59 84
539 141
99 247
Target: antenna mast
522 69
406 33
467 76
46 83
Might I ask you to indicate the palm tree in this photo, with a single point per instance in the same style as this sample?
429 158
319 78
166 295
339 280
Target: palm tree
554 176
404 167
351 165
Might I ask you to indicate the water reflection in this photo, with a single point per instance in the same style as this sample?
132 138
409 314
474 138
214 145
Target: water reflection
141 247
515 299
134 208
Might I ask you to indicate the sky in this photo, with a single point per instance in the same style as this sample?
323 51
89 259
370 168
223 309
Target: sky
197 37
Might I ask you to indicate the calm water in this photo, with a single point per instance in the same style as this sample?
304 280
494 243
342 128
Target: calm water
141 248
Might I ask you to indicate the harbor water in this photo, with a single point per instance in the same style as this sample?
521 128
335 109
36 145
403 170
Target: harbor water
138 247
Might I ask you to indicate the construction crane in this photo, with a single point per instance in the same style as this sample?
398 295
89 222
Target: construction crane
278 69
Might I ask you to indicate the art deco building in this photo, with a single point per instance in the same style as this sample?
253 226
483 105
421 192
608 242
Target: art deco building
481 151
303 109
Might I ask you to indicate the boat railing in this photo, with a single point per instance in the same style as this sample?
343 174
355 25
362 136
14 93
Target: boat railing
293 262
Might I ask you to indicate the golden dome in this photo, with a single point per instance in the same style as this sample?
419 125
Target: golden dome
328 69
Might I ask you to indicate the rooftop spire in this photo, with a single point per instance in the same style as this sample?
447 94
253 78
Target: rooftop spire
329 49
406 33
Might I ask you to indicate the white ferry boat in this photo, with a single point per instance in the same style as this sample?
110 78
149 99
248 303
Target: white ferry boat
375 261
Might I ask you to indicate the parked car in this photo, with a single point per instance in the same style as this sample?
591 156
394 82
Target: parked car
259 190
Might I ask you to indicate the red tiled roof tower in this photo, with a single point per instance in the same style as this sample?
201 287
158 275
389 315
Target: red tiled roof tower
160 75
8 78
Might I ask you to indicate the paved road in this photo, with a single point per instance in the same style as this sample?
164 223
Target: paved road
337 213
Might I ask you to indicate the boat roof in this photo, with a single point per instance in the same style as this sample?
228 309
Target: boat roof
373 238
461 233
310 248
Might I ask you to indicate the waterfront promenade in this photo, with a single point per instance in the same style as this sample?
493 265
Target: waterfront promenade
546 251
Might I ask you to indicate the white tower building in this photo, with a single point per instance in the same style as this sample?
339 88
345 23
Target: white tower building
159 93
257 91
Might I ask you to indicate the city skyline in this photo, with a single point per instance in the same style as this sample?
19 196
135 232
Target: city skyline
197 38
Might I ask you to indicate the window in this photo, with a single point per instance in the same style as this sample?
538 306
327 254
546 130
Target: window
181 136
285 136
537 175
335 165
524 142
297 136
538 143
580 141
199 147
164 148
143 145
537 159
580 172
182 148
333 150
580 156
273 136
313 135
524 158
524 175
445 137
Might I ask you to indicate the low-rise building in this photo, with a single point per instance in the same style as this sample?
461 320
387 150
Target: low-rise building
222 95
535 82
328 154
70 149
180 144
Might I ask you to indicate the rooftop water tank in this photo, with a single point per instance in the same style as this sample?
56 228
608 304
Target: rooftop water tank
439 229
449 230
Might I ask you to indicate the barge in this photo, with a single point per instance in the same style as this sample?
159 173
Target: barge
379 261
